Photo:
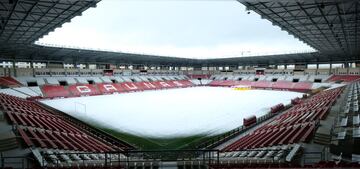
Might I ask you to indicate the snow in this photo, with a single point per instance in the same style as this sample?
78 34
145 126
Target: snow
174 112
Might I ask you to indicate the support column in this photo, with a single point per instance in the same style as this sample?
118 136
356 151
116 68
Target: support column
75 65
330 68
14 67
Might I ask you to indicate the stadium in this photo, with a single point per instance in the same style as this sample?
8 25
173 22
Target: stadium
87 108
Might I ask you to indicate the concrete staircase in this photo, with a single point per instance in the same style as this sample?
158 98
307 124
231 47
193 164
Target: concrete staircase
8 142
7 137
323 133
323 138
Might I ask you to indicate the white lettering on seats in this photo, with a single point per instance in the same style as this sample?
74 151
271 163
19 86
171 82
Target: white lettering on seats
164 84
83 89
178 83
109 87
149 85
133 87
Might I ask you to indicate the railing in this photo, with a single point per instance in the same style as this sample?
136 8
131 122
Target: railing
217 140
312 157
18 162
89 129
130 158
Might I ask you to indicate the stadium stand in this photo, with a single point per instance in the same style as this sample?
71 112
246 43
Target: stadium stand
60 86
62 143
343 78
325 119
294 126
48 131
51 91
9 82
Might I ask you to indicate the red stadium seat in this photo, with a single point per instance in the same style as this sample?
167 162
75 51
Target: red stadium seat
147 85
51 91
262 84
42 128
109 88
8 81
83 90
294 126
130 86
343 78
302 86
281 84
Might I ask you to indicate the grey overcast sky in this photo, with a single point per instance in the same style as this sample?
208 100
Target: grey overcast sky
181 28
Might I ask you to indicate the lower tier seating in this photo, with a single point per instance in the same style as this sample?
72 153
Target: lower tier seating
343 78
54 91
42 128
279 85
51 91
295 126
60 140
9 82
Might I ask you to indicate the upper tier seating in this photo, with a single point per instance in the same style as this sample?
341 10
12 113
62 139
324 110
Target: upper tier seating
294 126
194 76
52 81
300 78
82 80
68 80
26 80
275 77
126 78
319 78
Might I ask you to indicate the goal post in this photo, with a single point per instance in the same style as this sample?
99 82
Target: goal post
80 108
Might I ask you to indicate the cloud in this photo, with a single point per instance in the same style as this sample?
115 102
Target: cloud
192 29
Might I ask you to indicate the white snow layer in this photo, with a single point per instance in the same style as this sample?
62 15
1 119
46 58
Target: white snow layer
174 112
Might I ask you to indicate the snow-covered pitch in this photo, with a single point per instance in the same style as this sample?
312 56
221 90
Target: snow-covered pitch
174 112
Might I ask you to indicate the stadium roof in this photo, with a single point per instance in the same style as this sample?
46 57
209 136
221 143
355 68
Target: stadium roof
327 25
25 21
330 26
71 55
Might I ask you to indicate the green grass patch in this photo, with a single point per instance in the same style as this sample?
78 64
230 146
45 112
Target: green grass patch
145 143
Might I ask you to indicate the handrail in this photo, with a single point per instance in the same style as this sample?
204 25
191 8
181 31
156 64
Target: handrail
22 162
235 132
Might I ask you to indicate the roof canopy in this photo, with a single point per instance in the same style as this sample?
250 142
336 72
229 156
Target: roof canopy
330 26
